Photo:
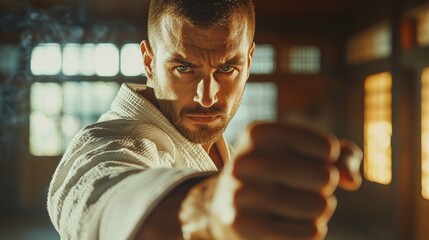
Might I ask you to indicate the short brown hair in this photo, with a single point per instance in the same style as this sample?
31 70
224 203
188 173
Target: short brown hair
201 13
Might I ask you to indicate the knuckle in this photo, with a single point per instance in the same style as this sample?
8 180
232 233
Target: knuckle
245 166
321 231
312 230
240 195
245 196
329 179
321 204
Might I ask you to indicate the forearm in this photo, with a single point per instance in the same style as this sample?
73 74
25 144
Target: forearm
163 222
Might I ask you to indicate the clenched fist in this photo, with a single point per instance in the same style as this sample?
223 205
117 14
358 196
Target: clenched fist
280 185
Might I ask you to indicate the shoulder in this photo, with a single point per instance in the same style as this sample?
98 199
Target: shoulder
122 133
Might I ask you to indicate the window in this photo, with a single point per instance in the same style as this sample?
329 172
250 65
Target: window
264 60
301 59
46 59
423 27
103 59
74 61
374 43
45 134
106 59
59 111
131 60
378 128
425 133
259 103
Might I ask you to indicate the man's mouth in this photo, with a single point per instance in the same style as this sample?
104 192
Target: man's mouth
202 118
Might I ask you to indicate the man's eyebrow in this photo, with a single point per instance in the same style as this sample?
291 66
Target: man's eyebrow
236 60
181 60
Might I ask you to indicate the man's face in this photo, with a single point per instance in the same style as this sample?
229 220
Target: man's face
199 76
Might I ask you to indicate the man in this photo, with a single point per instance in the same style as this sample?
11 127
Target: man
150 167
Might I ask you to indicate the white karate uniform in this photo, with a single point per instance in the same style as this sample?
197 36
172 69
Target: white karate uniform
117 170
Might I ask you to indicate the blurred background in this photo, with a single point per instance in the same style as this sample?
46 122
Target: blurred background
359 68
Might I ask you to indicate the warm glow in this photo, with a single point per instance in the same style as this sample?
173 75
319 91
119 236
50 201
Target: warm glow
378 128
46 59
106 60
423 27
373 43
131 60
425 133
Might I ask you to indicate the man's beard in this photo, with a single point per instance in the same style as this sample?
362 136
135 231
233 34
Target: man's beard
202 133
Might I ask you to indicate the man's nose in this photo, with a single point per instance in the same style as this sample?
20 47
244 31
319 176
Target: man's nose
206 94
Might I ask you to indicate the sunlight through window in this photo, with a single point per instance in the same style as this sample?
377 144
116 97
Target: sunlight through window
71 59
58 112
45 136
46 59
131 60
304 59
423 27
87 59
259 103
264 59
378 128
106 60
425 133
371 44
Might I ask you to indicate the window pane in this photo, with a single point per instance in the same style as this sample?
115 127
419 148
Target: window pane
303 59
259 103
58 112
46 59
131 60
87 59
106 59
374 43
378 128
264 60
72 59
84 103
45 105
45 138
423 27
46 98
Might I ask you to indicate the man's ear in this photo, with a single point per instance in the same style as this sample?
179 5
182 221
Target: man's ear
147 56
249 58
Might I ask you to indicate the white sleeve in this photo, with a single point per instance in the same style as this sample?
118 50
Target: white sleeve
108 182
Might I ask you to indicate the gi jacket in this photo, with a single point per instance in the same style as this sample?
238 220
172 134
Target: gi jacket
115 171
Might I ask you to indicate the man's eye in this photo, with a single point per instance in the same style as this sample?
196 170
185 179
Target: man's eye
226 69
183 68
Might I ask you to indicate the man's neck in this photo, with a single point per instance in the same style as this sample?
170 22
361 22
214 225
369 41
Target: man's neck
149 94
214 154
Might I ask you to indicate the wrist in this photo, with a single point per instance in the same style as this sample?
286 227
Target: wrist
195 211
